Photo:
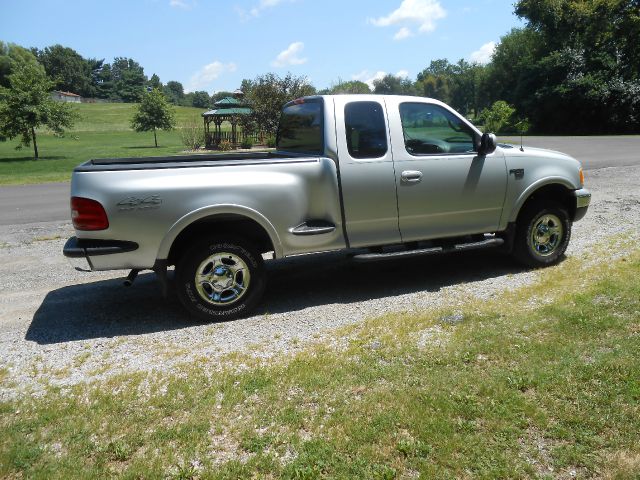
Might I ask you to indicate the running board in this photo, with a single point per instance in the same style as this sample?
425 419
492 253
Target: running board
460 247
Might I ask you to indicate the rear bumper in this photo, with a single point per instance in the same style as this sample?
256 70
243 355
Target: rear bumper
80 251
583 200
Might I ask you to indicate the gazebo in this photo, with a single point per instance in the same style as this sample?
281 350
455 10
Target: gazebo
228 109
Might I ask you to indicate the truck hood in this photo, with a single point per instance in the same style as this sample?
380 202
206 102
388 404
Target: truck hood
511 150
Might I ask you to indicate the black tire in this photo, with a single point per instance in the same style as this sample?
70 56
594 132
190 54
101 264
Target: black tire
223 263
543 231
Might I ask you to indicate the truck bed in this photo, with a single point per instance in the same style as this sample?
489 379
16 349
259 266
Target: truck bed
189 161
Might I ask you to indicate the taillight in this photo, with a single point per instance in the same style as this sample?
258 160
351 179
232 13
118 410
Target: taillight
88 214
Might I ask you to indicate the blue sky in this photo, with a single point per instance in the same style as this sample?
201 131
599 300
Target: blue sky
213 44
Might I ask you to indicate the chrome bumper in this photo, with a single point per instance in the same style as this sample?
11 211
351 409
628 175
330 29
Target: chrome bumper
583 200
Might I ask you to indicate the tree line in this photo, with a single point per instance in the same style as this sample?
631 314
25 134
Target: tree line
574 68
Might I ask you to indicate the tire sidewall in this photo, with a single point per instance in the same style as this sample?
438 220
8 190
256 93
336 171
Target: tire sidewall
525 251
185 280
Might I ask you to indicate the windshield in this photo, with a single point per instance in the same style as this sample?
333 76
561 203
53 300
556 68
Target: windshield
300 127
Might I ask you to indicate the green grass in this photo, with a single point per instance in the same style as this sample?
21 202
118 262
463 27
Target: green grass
543 382
102 130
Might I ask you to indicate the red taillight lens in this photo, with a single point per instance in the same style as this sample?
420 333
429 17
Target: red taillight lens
88 214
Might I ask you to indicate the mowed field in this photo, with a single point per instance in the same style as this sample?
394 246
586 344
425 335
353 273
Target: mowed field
101 130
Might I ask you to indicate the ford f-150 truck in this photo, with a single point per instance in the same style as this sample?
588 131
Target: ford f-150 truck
383 177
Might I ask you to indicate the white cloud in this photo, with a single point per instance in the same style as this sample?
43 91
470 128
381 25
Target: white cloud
484 53
403 33
258 8
186 4
368 78
208 74
290 56
412 13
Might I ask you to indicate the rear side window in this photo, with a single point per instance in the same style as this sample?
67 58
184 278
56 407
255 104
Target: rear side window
301 128
365 129
430 129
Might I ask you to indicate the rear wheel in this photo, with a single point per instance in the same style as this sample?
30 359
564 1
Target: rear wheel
542 234
220 279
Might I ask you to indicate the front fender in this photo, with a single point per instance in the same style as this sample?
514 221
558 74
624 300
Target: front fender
204 212
543 182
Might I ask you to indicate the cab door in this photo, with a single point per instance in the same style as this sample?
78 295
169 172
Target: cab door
445 189
366 170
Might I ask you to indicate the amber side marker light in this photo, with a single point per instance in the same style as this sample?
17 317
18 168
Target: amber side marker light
581 178
88 214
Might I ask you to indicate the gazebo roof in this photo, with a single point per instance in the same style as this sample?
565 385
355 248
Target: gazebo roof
228 102
223 112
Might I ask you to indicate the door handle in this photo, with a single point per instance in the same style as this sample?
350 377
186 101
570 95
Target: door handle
411 176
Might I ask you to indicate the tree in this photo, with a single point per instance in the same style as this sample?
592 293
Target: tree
393 85
69 71
200 100
174 91
12 55
128 80
352 86
153 113
154 82
268 93
27 105
499 116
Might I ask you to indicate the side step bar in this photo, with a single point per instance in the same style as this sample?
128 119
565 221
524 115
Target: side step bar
459 247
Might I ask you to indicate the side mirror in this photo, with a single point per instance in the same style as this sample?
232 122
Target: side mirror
488 144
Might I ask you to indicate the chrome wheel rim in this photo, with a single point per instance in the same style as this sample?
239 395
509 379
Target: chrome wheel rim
546 235
222 279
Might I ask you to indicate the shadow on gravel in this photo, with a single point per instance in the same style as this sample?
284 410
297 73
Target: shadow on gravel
107 309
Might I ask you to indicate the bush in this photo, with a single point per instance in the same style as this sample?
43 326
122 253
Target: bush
247 142
192 134
225 146
271 142
498 117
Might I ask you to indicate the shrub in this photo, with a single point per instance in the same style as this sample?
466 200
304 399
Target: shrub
498 117
271 142
192 134
225 146
247 142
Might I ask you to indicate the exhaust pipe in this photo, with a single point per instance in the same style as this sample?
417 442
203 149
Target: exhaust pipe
133 274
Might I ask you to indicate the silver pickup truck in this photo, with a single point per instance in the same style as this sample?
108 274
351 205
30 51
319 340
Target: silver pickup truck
382 177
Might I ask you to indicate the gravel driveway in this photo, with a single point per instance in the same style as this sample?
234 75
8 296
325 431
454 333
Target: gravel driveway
61 327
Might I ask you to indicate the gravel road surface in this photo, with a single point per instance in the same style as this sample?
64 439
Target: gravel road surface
25 204
62 327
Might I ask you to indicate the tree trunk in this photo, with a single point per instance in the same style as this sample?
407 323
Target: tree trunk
35 145
155 139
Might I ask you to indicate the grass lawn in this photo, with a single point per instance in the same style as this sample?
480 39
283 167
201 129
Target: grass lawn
543 382
103 130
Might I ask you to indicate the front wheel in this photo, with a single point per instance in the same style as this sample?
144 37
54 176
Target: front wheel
220 279
542 234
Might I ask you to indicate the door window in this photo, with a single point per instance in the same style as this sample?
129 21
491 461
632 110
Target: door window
432 130
365 129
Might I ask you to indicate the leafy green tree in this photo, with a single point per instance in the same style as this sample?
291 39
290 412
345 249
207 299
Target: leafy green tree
104 82
393 85
69 71
27 105
268 93
12 55
128 80
174 91
499 116
200 99
348 87
153 113
154 82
